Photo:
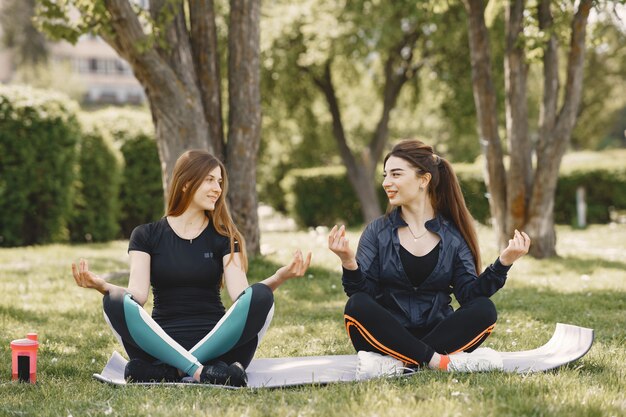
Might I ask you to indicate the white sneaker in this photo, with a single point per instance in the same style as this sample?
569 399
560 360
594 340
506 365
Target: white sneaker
373 365
482 359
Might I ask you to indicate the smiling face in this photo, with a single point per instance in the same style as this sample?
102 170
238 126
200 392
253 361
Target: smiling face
209 190
402 183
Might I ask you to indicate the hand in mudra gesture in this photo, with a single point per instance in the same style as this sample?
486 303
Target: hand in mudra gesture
296 268
339 244
518 247
85 278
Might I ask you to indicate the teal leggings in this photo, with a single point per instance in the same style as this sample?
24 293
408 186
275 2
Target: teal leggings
239 330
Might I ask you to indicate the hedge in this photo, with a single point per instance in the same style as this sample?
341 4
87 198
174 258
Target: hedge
38 136
95 211
141 188
323 196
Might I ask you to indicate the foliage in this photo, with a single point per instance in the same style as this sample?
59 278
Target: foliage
53 75
38 136
96 198
584 287
141 189
603 189
601 122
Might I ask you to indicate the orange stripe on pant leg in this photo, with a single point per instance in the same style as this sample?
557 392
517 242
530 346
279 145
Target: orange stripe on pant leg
372 341
475 340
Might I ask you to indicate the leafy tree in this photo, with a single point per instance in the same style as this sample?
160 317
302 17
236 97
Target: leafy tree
603 103
357 57
173 49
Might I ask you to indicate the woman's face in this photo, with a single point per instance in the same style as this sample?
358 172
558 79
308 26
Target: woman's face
401 183
209 191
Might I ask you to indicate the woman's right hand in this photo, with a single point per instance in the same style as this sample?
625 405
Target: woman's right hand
339 244
87 279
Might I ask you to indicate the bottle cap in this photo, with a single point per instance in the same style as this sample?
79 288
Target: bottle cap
24 344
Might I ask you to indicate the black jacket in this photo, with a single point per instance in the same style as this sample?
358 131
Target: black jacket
381 275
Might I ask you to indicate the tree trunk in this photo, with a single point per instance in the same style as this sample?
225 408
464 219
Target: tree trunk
555 132
520 165
244 133
486 110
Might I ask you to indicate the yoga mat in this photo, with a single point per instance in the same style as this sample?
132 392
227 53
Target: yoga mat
567 344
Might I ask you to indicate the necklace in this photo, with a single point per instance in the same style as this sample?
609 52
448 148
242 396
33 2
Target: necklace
416 238
200 231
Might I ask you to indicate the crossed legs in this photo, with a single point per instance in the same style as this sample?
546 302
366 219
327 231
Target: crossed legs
234 338
372 328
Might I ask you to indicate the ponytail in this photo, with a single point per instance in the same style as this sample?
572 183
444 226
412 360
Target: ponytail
448 200
444 189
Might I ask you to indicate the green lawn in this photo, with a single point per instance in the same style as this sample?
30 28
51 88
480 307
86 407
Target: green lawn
585 286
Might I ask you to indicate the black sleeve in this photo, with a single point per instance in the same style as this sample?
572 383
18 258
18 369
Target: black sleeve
225 246
140 239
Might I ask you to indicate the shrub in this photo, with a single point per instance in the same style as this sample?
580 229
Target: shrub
38 136
141 188
321 196
96 197
603 189
141 193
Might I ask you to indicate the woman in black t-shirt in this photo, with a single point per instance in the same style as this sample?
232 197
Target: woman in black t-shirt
185 257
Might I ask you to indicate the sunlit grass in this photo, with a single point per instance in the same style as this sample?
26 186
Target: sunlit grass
586 286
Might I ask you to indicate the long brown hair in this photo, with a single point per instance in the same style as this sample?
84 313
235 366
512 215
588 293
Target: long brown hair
190 170
444 190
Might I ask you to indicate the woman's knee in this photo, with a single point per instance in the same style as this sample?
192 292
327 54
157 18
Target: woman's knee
358 302
113 301
262 296
485 310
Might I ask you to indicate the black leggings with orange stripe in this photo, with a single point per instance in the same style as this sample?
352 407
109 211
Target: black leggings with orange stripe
372 328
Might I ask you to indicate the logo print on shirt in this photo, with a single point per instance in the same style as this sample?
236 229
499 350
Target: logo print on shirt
208 255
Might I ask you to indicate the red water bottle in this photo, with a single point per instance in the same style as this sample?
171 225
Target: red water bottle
24 358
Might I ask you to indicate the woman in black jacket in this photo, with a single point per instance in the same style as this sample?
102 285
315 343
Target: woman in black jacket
408 263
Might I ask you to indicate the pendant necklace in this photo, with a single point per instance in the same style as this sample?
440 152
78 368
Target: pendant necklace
199 233
416 238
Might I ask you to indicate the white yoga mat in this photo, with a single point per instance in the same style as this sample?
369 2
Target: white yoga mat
568 343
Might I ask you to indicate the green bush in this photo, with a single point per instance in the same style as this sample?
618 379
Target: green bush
141 188
38 136
475 193
96 198
323 195
603 189
141 194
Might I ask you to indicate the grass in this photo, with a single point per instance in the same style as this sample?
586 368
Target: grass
585 286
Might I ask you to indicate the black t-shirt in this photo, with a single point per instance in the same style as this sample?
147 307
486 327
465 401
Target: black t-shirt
418 268
185 277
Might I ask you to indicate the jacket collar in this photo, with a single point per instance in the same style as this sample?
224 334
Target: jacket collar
434 225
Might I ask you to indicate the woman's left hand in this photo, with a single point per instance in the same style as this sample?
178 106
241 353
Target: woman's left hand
296 268
518 247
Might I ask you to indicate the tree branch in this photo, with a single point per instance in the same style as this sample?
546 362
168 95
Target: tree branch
398 70
207 63
128 35
575 70
547 113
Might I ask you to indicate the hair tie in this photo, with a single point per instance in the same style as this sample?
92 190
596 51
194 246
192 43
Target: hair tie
437 159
